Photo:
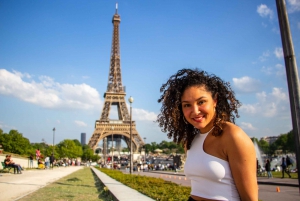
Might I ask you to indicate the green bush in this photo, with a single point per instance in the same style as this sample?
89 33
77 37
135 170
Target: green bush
157 189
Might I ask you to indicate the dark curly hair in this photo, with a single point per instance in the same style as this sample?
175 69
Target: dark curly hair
171 116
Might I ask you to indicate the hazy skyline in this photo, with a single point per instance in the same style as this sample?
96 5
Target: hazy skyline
55 56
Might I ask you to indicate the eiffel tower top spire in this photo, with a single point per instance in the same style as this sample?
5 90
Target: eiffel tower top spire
115 76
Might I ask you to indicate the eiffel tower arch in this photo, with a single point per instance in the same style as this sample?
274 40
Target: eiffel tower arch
118 129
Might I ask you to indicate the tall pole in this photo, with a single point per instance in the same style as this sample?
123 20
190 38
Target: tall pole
145 149
112 141
131 161
292 75
53 140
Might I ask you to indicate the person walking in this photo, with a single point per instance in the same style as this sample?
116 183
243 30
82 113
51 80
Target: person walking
268 169
31 161
284 168
198 111
52 159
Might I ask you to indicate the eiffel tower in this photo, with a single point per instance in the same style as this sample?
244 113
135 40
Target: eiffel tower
108 129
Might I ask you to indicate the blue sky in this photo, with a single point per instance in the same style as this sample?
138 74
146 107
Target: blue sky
54 60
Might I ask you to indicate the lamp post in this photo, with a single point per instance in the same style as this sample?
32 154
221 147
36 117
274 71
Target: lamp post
53 140
145 149
112 141
291 74
131 164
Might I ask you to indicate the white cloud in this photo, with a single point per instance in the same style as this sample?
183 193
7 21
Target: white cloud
25 75
278 70
264 11
264 56
80 123
247 126
141 114
264 24
278 52
267 70
269 105
47 93
293 5
246 84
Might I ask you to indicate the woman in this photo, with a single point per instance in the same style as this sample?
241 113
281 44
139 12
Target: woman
284 168
41 165
198 111
268 169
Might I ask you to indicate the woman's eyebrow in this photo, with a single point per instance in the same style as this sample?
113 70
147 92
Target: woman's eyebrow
196 99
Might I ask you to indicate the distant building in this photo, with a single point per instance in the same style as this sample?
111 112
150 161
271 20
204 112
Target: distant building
83 139
270 139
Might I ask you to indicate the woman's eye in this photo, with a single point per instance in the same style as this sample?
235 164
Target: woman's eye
200 102
186 105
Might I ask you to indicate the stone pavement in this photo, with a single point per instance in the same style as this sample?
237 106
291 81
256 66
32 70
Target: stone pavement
16 186
289 188
120 191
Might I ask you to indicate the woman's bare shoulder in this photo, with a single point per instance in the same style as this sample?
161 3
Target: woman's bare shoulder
234 134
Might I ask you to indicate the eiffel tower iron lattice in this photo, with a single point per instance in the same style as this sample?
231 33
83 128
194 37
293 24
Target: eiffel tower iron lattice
115 94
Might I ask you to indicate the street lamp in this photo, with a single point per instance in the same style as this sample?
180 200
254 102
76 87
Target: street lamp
131 164
112 141
53 140
145 149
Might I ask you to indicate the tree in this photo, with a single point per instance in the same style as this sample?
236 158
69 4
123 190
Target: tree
77 143
264 146
14 142
68 149
281 143
291 146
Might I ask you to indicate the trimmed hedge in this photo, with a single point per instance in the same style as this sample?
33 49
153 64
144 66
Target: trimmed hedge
156 188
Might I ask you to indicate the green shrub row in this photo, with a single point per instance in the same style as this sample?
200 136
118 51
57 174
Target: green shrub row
155 188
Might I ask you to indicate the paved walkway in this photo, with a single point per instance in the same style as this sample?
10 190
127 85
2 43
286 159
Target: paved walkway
288 188
120 191
16 186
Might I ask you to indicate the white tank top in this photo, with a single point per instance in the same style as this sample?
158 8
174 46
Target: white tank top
210 176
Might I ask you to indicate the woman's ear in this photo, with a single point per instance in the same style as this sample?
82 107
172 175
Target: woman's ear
215 99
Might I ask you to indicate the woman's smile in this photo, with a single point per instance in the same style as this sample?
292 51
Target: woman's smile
198 107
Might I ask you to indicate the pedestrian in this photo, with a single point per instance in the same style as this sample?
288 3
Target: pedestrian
198 111
47 162
175 168
37 154
9 162
288 163
268 168
284 168
52 159
31 161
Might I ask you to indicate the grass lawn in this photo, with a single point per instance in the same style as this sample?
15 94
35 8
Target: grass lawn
80 185
279 175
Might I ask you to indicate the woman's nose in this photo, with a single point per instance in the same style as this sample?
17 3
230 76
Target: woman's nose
196 109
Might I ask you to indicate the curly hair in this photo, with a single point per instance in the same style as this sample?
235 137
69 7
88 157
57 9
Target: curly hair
171 116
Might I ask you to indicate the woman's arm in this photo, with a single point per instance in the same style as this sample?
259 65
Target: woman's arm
242 160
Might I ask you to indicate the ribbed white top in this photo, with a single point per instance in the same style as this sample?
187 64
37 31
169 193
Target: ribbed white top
210 176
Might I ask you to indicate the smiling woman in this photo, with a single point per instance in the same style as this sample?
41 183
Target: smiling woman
198 110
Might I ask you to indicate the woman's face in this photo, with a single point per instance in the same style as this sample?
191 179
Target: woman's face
198 107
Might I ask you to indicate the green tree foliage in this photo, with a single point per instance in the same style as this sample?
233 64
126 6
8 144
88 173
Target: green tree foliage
14 142
291 146
284 143
88 153
281 143
264 146
169 147
68 149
